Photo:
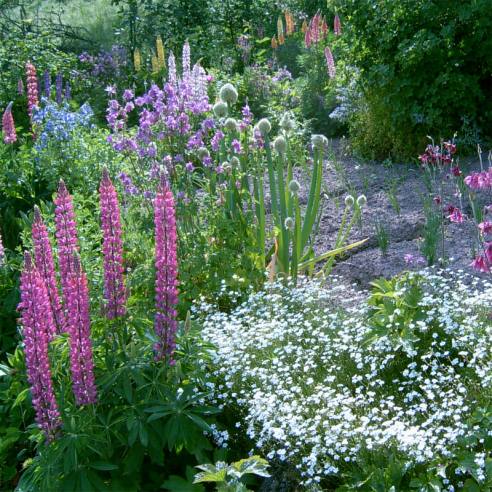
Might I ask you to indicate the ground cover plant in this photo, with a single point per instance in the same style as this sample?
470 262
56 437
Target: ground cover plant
190 248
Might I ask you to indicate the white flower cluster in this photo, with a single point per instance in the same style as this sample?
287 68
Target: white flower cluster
316 386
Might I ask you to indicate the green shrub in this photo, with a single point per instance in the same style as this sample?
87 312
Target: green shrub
425 69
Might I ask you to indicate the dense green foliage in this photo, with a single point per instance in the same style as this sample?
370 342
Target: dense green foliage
425 68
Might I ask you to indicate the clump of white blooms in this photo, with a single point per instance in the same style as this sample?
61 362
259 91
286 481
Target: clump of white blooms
320 376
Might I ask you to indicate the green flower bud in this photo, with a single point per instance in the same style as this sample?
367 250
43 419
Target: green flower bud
228 94
220 109
280 145
349 201
294 187
289 223
231 125
319 141
234 161
202 153
361 201
264 126
286 123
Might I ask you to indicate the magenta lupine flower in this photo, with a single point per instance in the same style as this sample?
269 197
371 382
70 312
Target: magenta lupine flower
32 88
37 322
8 126
114 287
307 37
45 265
78 327
330 63
2 251
337 26
66 236
166 284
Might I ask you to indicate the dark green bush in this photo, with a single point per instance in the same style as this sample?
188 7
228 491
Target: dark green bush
425 68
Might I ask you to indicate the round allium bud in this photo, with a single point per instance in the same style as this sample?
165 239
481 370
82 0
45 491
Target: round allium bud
202 153
231 125
286 122
220 109
289 223
280 145
228 94
226 166
294 187
349 201
319 141
264 126
234 161
361 201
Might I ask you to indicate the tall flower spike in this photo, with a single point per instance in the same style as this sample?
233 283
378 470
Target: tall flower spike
330 63
79 327
114 288
45 265
137 60
172 74
20 87
47 84
186 60
337 26
2 251
166 273
8 126
161 60
36 322
32 88
66 236
59 88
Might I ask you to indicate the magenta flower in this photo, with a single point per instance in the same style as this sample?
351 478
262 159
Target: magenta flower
78 327
66 236
114 287
337 26
485 227
166 273
8 126
480 264
456 216
37 323
32 88
330 63
45 265
2 251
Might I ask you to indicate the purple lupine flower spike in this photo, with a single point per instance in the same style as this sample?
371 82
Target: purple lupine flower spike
114 288
37 322
47 84
79 327
45 265
59 88
166 287
66 236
